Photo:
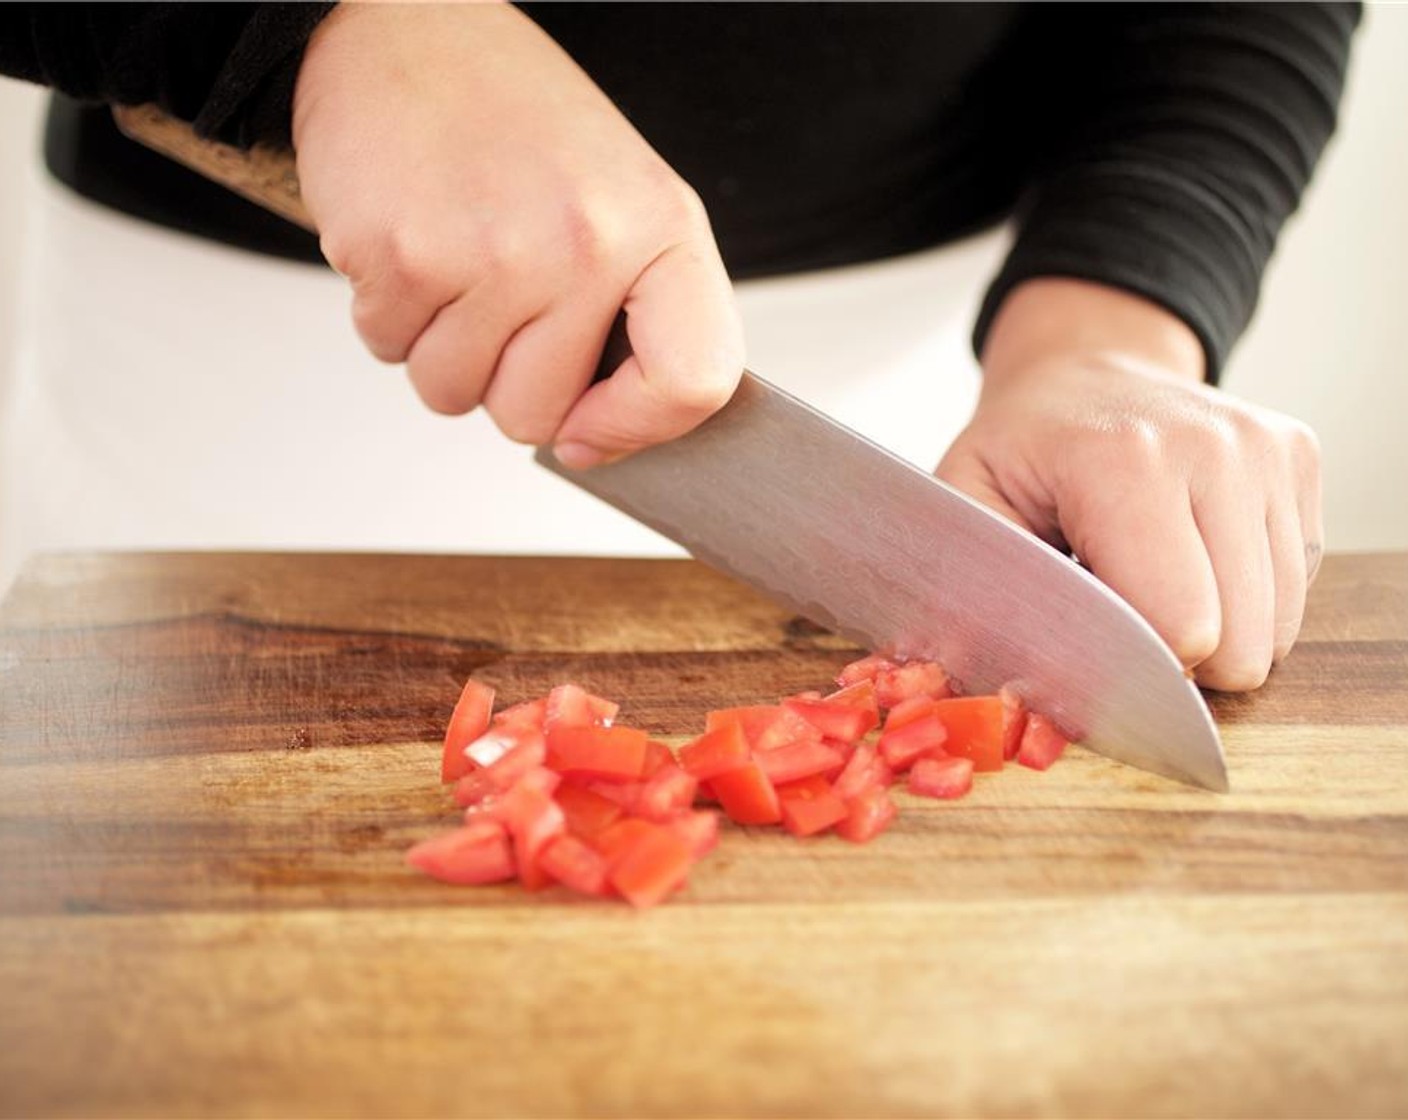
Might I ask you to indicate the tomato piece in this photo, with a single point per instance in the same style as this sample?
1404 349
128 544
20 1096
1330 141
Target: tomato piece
1014 721
624 794
574 864
614 841
586 813
810 806
667 794
746 795
721 749
797 760
534 820
474 787
1041 743
477 853
914 678
652 866
974 726
865 669
698 829
764 725
867 816
528 755
598 752
529 713
657 755
468 721
571 705
860 774
901 747
836 720
941 777
906 711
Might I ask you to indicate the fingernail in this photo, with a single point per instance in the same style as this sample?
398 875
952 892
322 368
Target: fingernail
578 456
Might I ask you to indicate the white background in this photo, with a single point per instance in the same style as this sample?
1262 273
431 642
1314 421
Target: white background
1328 342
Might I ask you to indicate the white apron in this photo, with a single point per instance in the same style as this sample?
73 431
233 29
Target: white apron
168 393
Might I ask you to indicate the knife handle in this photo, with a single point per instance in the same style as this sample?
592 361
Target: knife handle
268 177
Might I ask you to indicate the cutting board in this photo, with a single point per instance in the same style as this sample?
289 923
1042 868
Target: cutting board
211 765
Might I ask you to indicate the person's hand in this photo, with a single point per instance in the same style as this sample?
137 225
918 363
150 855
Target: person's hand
493 212
1094 432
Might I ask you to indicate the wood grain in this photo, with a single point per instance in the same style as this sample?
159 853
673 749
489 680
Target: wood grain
210 766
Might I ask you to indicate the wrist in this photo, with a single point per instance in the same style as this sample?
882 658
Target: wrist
1052 317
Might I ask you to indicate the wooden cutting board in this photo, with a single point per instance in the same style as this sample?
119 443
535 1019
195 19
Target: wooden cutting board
210 767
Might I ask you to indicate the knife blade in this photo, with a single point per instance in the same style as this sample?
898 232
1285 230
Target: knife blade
841 531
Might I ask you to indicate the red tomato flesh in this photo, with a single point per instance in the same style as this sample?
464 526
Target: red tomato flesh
836 720
867 816
1014 722
571 705
616 753
746 795
941 777
469 720
698 829
477 853
574 864
914 740
810 806
798 760
587 814
1041 743
974 726
866 669
669 793
722 749
654 865
904 682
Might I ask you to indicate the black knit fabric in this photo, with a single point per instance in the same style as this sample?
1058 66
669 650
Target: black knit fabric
1155 147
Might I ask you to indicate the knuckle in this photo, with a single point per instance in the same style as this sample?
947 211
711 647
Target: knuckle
586 237
443 394
678 204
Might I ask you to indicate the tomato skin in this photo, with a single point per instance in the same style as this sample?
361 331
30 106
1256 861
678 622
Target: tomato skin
941 777
747 796
798 760
867 816
477 853
974 725
597 752
574 864
653 866
919 738
468 721
721 749
1041 743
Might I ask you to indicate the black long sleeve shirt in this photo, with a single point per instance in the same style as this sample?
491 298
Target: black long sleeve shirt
1155 147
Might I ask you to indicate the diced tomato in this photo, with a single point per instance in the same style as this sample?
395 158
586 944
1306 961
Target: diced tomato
587 813
810 806
915 678
570 705
667 794
974 726
867 816
469 720
798 760
477 853
941 777
746 795
1041 743
1014 721
574 864
534 820
858 695
865 669
474 787
916 739
657 754
654 866
698 829
624 794
765 725
598 752
530 713
906 711
860 774
716 751
836 720
528 755
617 839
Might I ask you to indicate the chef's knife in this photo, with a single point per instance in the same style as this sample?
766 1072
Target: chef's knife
861 542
